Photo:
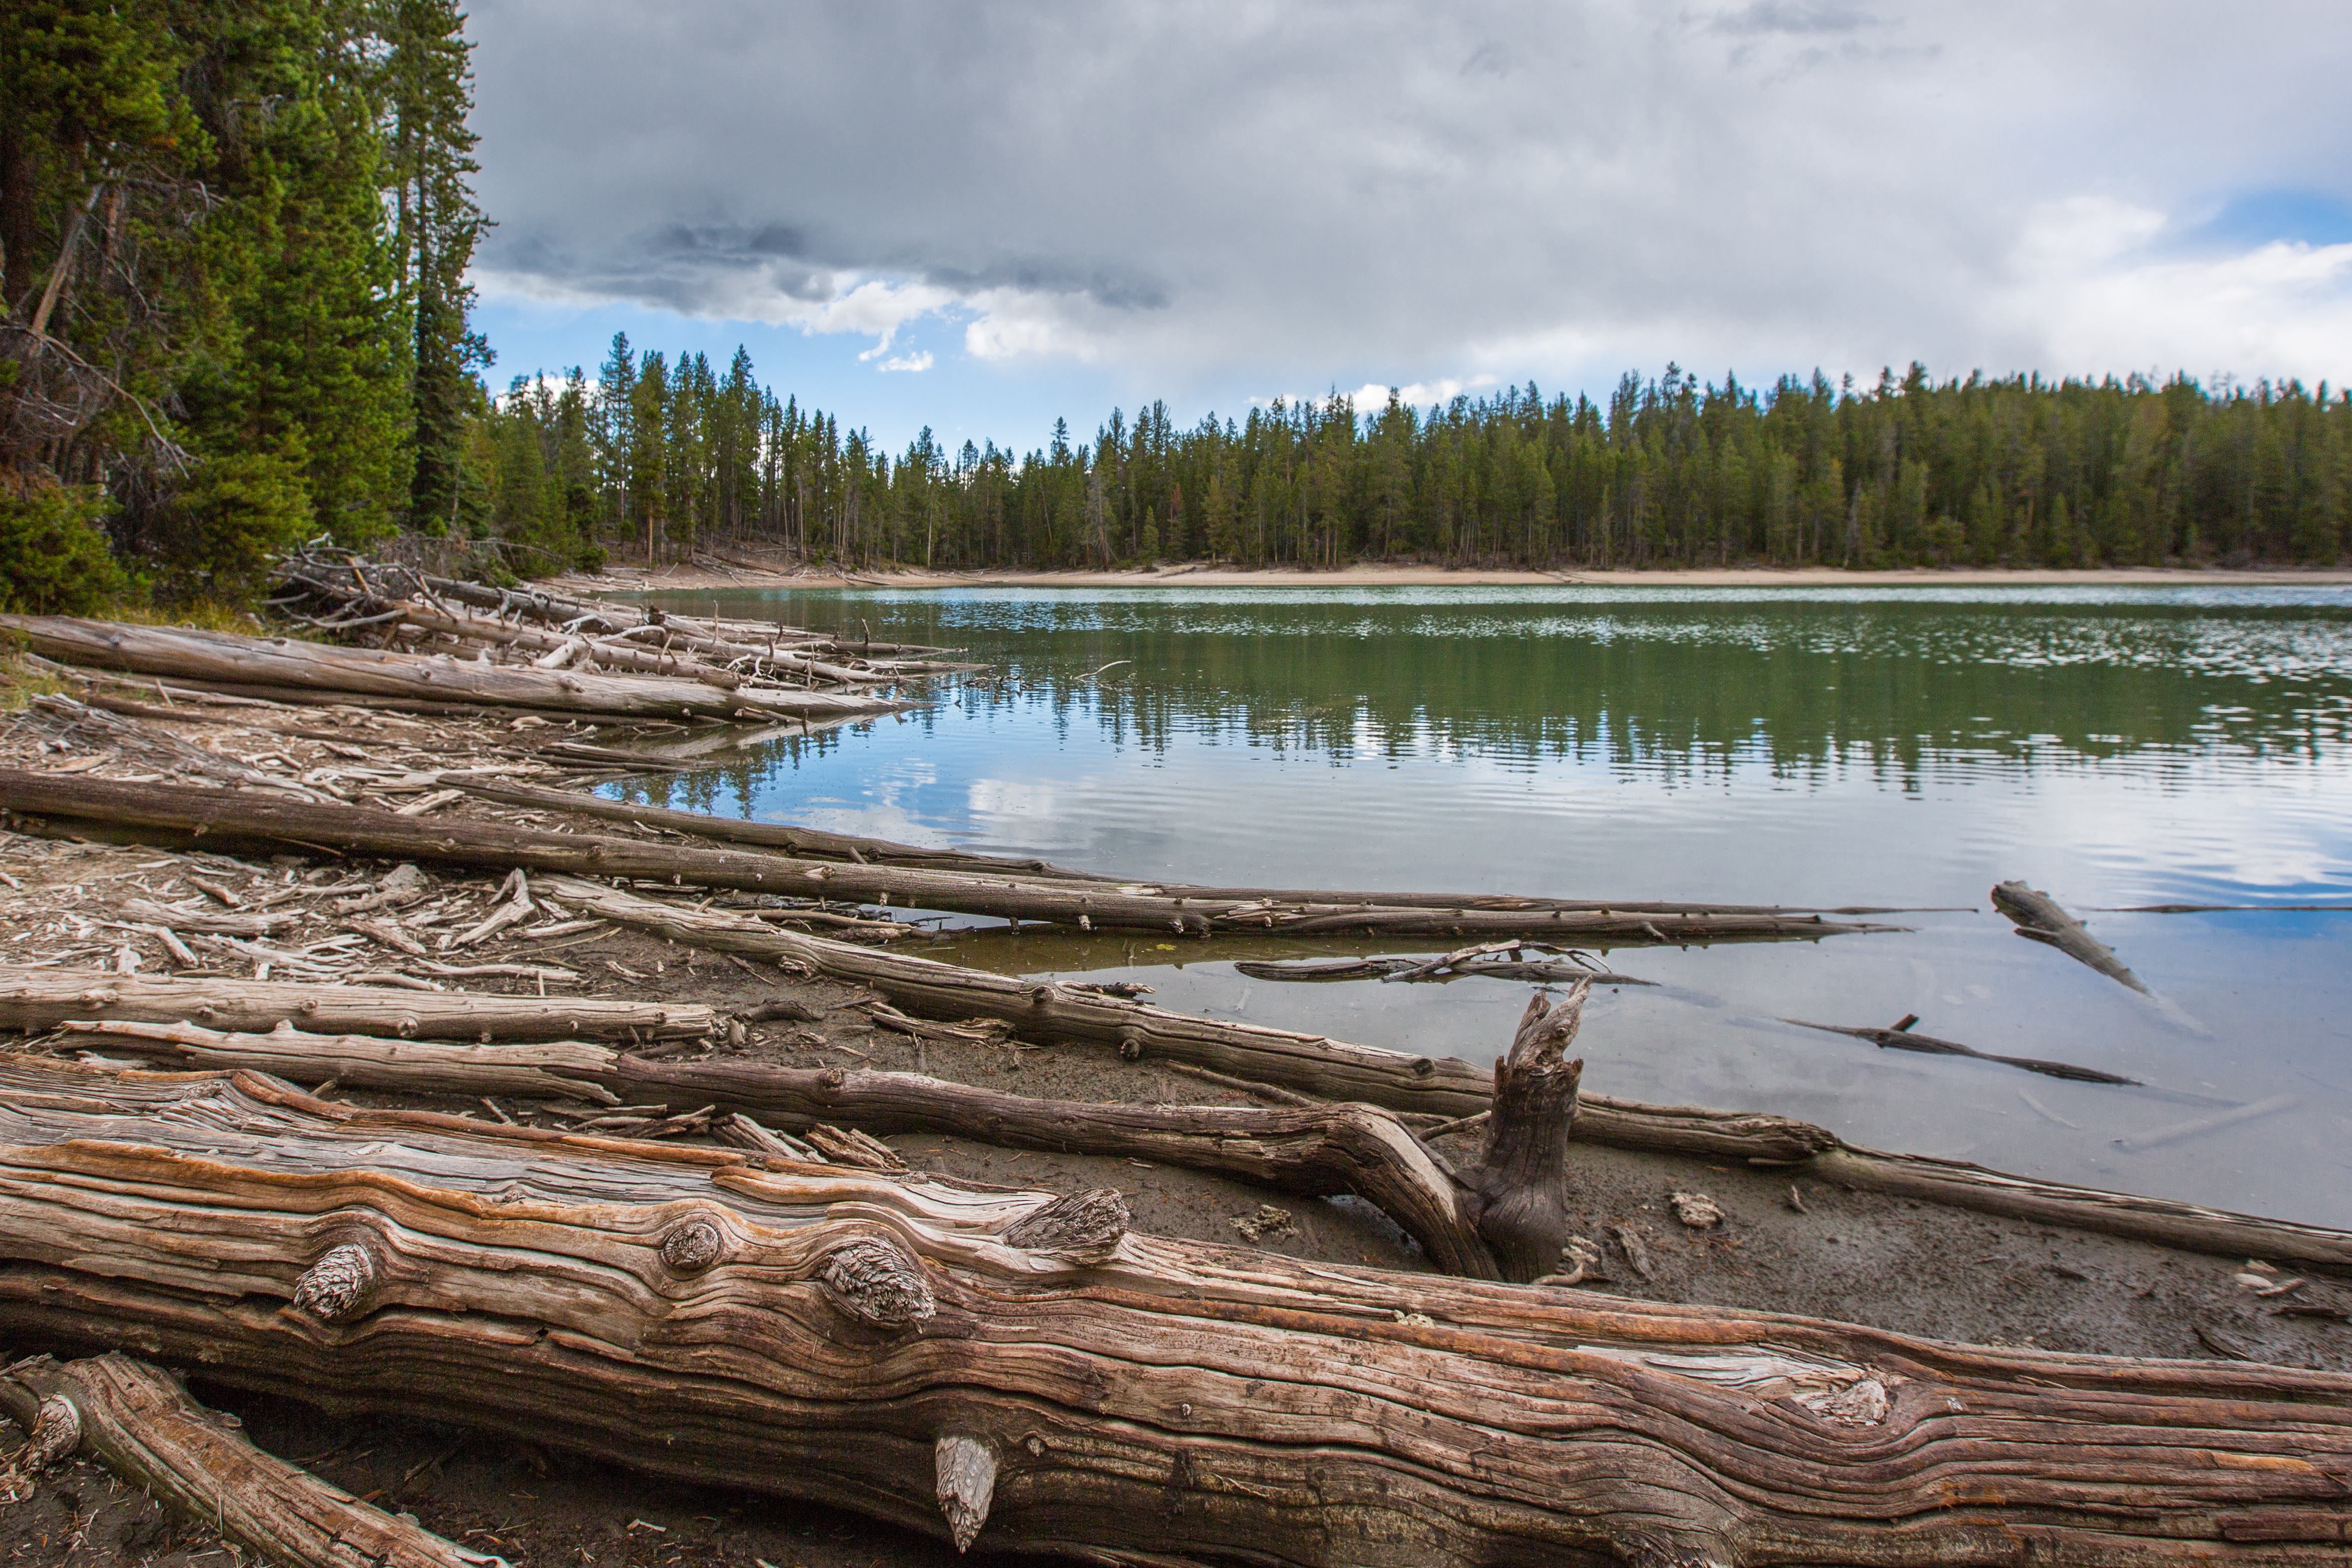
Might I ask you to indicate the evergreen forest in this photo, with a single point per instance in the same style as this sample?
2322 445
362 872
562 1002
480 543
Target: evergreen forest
234 245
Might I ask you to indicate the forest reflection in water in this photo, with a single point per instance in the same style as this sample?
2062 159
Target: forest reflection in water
1907 746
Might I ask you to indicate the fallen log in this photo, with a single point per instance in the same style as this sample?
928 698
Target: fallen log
2038 918
228 819
1900 1038
810 843
1318 1150
35 999
1021 1371
142 1425
226 657
1451 1088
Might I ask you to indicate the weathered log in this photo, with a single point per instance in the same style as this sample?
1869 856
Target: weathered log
889 1346
237 818
2038 918
810 843
1419 971
225 656
1318 1150
802 842
1900 1038
142 1425
1447 1086
35 999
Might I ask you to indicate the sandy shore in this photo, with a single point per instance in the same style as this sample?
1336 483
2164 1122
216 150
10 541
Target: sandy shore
704 576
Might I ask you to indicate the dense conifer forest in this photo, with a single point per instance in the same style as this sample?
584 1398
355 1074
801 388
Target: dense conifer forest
234 241
658 455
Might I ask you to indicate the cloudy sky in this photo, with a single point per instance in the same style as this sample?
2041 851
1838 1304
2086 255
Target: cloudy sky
978 217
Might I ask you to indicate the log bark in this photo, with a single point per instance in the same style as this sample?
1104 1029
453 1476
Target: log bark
35 999
892 1346
237 818
1318 1151
2038 918
142 1425
237 660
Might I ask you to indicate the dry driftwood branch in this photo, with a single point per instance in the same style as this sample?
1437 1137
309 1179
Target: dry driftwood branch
35 999
2038 917
279 661
965 1363
1317 1150
225 819
142 1425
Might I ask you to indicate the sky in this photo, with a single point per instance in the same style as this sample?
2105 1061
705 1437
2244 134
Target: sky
979 218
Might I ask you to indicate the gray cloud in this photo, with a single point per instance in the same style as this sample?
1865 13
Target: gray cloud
1314 191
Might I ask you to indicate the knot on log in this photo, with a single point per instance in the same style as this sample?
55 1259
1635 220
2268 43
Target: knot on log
692 1247
1086 1226
56 1433
1131 1044
878 1283
967 1484
332 1289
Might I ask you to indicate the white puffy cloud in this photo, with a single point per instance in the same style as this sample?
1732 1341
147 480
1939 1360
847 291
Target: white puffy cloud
1205 194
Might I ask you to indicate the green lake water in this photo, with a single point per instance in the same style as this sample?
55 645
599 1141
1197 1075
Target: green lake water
1820 746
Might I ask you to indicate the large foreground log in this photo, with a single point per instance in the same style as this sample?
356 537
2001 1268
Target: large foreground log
1317 1150
1010 1369
237 818
35 999
142 1425
226 656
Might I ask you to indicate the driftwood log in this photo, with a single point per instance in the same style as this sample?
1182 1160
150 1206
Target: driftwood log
35 999
142 1425
229 820
2038 918
1017 1371
812 843
1317 1150
231 659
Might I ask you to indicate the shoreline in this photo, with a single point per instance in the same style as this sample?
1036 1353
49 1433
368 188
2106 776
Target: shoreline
701 576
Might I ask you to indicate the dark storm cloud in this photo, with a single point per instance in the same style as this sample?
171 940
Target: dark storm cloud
1311 189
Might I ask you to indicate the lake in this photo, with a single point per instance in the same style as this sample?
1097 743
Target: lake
1826 747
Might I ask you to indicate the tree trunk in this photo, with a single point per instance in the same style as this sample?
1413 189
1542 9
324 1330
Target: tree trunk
36 1000
142 1425
1318 1150
1011 1370
1522 1181
233 817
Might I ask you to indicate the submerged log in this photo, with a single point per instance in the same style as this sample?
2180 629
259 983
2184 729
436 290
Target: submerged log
2038 918
142 1425
35 999
955 1362
1900 1038
228 657
237 818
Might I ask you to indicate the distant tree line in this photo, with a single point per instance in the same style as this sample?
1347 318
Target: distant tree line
658 457
233 236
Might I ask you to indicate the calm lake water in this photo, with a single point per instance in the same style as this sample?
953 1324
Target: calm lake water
1819 747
